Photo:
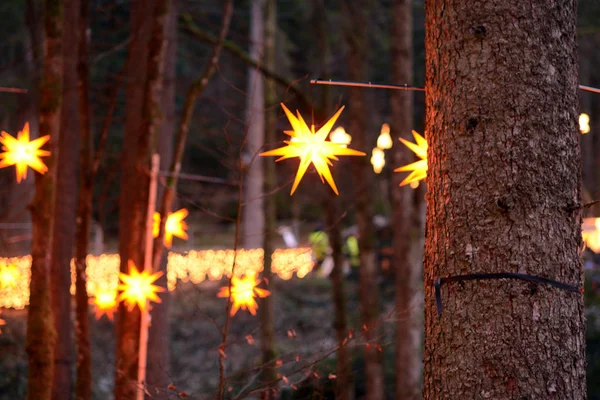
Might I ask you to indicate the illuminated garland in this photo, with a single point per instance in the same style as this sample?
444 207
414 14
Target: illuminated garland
195 266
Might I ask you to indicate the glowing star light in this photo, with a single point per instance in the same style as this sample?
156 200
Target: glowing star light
243 292
419 168
311 147
378 160
137 288
22 153
384 141
173 227
105 303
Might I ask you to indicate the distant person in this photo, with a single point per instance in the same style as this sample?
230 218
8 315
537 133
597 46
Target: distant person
352 255
319 242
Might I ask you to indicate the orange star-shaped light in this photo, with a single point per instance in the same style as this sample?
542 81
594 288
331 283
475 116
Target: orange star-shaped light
105 303
137 288
9 275
243 291
22 153
419 168
173 227
311 147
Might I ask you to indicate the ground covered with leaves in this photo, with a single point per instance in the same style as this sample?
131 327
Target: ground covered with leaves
305 339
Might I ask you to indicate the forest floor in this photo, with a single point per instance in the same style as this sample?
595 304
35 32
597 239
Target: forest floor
305 340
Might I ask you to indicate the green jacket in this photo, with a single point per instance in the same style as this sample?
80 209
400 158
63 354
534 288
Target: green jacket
319 241
351 251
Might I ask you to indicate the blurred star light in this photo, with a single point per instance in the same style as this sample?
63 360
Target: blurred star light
584 123
9 275
105 303
384 141
340 136
378 160
137 288
23 153
243 292
419 168
175 226
312 148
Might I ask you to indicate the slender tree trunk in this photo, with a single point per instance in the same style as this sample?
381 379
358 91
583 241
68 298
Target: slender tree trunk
254 219
134 192
356 35
65 208
159 354
407 314
41 335
83 382
503 195
343 385
270 184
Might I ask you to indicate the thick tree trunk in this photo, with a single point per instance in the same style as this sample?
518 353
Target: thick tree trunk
408 361
267 330
503 196
134 193
159 354
356 35
65 208
83 382
254 219
41 335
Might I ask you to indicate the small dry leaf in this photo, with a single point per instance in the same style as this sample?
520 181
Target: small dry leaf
171 387
379 348
291 333
250 339
230 388
183 395
344 342
364 327
294 387
316 375
266 280
332 376
222 352
278 363
368 345
297 357
351 334
285 380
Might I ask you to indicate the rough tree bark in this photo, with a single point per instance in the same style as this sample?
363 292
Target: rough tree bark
356 37
254 218
159 354
41 335
503 196
134 193
407 361
267 330
65 208
83 381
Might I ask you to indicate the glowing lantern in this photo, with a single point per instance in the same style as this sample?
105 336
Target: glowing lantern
173 227
384 141
590 233
137 288
378 160
340 136
584 123
9 275
22 153
105 303
419 168
311 147
243 292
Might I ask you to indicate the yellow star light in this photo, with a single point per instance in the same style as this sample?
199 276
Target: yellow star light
173 227
243 291
419 168
9 275
22 153
105 303
584 123
137 288
311 147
